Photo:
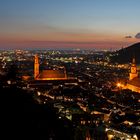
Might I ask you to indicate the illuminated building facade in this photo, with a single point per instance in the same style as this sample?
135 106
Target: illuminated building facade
134 80
36 67
45 78
133 72
48 74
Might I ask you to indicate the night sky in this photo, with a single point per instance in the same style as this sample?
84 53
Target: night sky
69 23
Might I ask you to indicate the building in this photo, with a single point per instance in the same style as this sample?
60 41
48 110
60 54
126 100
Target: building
51 77
133 71
59 74
134 80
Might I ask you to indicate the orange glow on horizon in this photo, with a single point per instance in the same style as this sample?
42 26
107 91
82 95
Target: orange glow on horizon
65 39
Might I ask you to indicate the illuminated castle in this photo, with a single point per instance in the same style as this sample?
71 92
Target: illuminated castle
48 74
134 81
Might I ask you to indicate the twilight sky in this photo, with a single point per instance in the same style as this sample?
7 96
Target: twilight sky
69 23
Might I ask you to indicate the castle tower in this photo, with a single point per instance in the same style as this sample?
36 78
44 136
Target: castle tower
133 71
36 66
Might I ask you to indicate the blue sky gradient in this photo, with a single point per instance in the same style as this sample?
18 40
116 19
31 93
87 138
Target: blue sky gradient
102 22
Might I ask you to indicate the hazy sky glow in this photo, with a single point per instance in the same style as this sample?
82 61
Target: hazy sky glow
69 23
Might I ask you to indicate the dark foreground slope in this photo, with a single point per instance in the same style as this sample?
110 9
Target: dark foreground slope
21 117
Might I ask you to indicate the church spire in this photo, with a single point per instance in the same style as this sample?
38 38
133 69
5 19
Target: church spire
36 66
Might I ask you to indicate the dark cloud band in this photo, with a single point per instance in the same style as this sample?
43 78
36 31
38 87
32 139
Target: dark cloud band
128 36
137 36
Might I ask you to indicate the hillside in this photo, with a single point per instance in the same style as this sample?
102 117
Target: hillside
125 55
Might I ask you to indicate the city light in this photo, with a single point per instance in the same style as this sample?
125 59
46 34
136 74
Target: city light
84 93
118 84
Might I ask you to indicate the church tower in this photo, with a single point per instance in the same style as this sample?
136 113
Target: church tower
65 72
133 71
36 66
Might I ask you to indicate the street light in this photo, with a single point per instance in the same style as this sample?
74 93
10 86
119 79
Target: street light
118 84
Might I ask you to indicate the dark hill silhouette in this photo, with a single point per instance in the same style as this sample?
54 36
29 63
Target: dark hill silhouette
125 55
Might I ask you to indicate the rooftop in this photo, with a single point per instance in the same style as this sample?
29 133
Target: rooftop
135 82
52 74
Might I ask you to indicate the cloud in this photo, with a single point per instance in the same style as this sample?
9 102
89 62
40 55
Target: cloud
128 36
137 36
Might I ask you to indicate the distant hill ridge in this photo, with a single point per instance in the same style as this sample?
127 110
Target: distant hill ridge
125 55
